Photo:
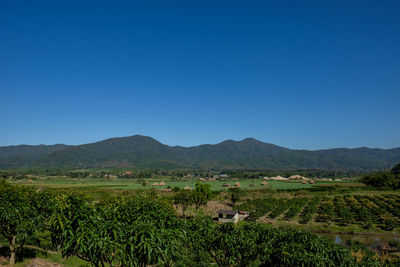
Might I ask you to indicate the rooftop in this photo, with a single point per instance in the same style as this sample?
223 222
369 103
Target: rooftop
229 212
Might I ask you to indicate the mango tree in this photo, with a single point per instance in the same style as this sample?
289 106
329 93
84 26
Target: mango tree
232 246
124 232
19 216
80 229
152 232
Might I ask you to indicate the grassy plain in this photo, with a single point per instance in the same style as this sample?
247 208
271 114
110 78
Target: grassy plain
62 182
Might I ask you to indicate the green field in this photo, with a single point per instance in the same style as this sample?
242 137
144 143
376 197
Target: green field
135 184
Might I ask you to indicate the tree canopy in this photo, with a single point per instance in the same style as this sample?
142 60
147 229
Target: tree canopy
23 211
384 179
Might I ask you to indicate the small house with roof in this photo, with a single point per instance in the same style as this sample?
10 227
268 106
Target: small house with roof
232 216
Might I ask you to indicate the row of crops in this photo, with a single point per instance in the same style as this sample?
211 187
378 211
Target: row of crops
382 211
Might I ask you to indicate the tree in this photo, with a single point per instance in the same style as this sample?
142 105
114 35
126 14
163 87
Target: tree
383 179
19 216
81 230
236 194
127 232
201 194
185 199
232 246
152 234
396 169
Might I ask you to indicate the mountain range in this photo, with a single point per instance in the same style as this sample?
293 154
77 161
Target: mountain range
144 152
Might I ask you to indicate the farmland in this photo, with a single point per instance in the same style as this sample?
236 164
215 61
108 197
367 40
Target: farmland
359 212
62 182
337 206
116 215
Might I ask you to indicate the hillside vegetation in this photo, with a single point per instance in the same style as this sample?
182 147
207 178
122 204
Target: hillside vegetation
147 153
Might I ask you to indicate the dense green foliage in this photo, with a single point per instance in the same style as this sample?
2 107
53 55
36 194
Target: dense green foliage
24 155
384 179
396 169
23 212
131 232
199 196
146 153
141 231
145 230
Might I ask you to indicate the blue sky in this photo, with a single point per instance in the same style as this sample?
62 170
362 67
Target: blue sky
300 74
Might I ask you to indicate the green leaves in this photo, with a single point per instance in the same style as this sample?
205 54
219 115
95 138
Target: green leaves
254 245
130 231
142 231
22 213
384 179
199 196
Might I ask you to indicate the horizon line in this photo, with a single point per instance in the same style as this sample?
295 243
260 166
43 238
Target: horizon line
129 136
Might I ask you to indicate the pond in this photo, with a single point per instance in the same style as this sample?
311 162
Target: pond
375 241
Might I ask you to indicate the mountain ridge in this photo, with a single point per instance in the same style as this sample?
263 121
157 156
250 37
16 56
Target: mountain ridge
143 152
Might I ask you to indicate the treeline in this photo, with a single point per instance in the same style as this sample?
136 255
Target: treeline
384 179
174 174
143 230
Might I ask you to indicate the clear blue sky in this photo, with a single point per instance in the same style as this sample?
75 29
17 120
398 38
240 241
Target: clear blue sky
300 74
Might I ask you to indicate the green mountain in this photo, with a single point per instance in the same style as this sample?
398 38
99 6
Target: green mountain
147 153
24 155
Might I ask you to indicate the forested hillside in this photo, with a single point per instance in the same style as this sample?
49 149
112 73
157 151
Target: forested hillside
147 153
24 155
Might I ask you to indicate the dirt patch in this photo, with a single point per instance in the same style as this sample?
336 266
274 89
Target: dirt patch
265 219
42 263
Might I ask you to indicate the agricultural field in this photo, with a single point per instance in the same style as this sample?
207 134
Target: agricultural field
61 182
360 211
332 214
159 228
